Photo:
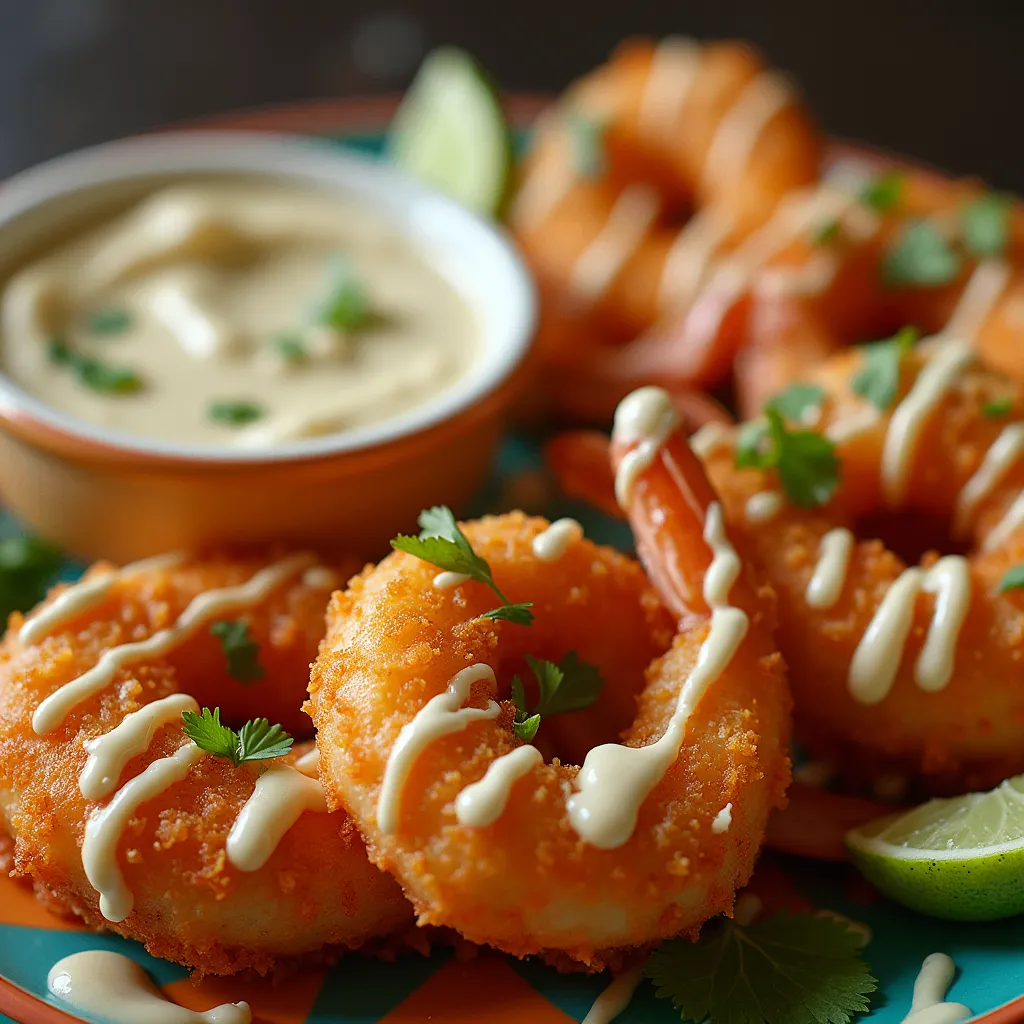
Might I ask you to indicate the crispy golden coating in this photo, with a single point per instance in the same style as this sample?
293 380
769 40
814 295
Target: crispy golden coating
191 904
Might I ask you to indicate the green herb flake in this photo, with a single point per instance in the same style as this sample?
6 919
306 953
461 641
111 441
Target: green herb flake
257 740
241 652
786 969
879 379
986 224
28 566
108 320
797 400
884 192
441 543
235 414
1013 579
291 349
920 256
826 234
93 372
569 685
587 144
347 306
997 408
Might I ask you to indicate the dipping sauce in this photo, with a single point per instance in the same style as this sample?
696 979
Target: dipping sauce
238 312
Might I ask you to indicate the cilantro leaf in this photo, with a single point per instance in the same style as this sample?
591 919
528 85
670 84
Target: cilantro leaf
986 224
787 969
997 407
586 141
443 544
347 306
291 349
884 192
1013 579
240 650
921 256
797 399
108 320
234 414
93 372
570 685
879 380
257 740
826 234
27 567
806 462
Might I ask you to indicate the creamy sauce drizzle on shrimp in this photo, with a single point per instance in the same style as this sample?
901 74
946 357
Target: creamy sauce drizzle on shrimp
674 68
690 256
763 506
826 583
552 543
203 609
878 655
1005 451
711 438
614 779
440 716
104 828
86 594
113 986
482 803
1012 520
646 417
616 997
929 1004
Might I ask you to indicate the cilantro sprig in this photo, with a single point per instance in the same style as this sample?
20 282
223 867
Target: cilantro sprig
921 255
1013 579
241 652
797 400
806 462
92 372
257 740
570 685
586 143
443 544
997 408
879 380
885 191
786 969
985 223
826 234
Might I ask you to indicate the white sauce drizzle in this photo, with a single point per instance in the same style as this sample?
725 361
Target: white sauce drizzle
104 828
86 594
829 576
283 792
674 67
450 580
858 422
929 1004
201 610
689 258
1012 520
109 753
629 220
764 506
911 415
481 803
711 437
111 985
739 131
1005 451
722 821
440 716
877 658
319 577
645 417
552 543
980 295
614 779
616 997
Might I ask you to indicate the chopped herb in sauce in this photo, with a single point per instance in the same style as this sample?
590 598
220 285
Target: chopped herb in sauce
291 348
108 320
347 306
92 372
235 414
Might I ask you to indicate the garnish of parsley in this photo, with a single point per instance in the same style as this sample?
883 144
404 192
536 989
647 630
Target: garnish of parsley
786 969
1013 579
879 379
806 463
884 192
921 256
347 306
985 225
257 740
241 652
997 408
570 685
797 400
443 544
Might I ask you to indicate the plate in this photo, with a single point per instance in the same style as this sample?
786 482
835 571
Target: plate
442 988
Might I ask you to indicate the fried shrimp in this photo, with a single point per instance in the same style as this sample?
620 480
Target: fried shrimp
526 852
117 817
645 173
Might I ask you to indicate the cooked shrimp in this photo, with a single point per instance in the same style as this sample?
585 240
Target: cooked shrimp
119 819
529 853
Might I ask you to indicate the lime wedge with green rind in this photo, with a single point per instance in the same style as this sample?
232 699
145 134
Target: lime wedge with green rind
451 133
960 858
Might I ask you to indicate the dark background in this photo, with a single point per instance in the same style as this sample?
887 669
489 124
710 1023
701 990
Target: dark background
939 81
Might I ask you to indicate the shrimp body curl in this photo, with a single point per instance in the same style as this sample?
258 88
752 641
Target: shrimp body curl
547 875
188 901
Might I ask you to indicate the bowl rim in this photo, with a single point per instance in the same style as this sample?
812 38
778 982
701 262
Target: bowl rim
506 341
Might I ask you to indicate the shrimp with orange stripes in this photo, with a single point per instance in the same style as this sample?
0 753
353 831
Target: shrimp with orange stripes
524 850
616 168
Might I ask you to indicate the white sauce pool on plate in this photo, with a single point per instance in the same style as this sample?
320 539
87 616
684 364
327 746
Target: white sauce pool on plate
929 1004
208 276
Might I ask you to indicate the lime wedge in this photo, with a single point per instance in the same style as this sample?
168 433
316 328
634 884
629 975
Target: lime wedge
451 133
961 858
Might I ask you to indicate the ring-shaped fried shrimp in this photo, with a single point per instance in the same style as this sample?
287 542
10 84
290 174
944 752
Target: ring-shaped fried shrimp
121 820
535 855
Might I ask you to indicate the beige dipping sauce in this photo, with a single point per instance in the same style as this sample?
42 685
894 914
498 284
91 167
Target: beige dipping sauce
211 274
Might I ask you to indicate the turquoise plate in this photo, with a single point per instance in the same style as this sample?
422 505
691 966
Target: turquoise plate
445 990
